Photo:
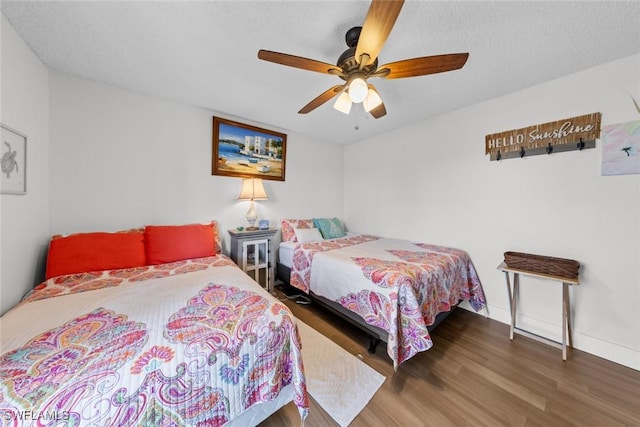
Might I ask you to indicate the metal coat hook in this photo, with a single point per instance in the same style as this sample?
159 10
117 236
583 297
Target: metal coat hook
523 150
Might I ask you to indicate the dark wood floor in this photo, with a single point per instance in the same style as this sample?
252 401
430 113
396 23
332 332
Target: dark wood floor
475 376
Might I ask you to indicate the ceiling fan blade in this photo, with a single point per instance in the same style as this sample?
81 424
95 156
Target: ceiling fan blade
298 62
380 19
378 111
423 66
321 99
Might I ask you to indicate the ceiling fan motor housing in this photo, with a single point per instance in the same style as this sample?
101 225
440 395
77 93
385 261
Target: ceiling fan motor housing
347 61
352 36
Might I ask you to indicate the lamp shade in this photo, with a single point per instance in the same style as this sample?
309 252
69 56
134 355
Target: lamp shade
252 189
372 100
343 103
358 90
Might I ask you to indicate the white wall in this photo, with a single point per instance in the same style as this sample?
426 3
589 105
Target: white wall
24 219
120 159
432 183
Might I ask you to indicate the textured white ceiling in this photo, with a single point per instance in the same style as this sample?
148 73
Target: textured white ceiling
204 53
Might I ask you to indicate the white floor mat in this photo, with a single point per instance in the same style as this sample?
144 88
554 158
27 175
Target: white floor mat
340 382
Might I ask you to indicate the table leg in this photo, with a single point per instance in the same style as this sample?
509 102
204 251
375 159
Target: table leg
514 299
506 276
566 320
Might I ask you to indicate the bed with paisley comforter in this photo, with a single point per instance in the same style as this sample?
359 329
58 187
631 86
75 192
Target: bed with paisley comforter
193 342
395 289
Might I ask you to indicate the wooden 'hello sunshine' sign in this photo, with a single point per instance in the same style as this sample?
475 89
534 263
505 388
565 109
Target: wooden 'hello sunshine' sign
575 133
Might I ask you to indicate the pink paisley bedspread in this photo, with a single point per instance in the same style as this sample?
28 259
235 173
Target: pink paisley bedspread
192 343
395 285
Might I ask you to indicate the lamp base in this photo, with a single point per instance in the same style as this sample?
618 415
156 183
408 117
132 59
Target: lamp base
251 216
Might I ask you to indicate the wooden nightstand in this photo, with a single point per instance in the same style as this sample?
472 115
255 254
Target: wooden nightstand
253 252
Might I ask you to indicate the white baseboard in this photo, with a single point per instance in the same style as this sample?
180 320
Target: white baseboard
613 352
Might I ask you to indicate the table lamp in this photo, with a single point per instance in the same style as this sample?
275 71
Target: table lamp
252 189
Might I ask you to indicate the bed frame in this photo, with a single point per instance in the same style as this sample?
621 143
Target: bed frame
375 334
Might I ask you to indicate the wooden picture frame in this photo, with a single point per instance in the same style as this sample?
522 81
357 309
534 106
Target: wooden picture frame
13 156
246 151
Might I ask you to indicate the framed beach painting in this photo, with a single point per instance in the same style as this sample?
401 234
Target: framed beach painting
14 161
247 151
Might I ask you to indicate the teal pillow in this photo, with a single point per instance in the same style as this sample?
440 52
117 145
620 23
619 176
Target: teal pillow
330 228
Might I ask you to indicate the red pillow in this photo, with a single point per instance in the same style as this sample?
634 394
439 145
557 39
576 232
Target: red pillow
168 243
82 252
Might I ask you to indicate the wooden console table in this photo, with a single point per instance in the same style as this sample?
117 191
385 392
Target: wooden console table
566 306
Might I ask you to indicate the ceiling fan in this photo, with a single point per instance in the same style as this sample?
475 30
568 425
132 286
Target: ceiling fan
360 62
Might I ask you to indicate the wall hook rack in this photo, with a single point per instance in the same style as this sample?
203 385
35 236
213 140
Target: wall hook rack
572 134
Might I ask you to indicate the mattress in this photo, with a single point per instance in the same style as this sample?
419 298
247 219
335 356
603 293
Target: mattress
285 253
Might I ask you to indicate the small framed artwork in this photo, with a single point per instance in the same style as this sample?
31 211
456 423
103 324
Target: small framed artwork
247 151
621 148
263 224
14 161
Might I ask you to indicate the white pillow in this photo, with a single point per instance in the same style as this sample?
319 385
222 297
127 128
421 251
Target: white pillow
308 235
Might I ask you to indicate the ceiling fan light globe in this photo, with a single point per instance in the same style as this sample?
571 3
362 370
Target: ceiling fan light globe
343 103
372 100
358 90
